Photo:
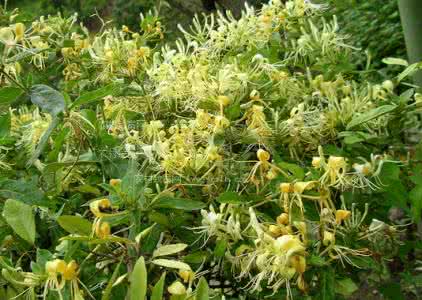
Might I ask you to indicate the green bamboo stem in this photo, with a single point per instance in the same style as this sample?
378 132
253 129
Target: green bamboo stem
410 14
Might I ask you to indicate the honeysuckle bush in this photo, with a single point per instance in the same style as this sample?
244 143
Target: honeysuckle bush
248 161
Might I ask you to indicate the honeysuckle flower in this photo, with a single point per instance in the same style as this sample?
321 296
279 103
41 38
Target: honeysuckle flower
341 215
102 230
100 208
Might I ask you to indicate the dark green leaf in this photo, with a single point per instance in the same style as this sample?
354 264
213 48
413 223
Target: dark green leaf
9 94
415 197
23 190
92 96
372 114
178 203
230 197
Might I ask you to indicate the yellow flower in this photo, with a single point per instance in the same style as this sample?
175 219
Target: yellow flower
70 273
290 244
285 187
19 31
316 162
97 207
55 266
115 182
186 275
342 215
263 155
299 263
102 230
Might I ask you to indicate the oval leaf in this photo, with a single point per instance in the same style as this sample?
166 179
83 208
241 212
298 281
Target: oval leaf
202 290
9 94
169 249
173 264
138 281
21 218
75 224
178 203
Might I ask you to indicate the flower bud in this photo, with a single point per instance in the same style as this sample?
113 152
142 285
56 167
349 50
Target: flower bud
177 288
223 100
316 162
115 182
283 219
19 31
285 187
263 155
388 85
301 283
329 238
274 230
186 275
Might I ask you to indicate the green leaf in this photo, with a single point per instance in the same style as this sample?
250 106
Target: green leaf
173 264
21 218
395 61
197 257
178 203
138 281
315 260
202 290
158 289
92 96
296 171
346 287
58 165
9 94
75 224
169 249
68 43
327 291
410 70
220 248
5 125
415 197
230 197
372 114
25 191
48 99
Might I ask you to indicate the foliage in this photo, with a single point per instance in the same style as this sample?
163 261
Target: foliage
250 160
372 25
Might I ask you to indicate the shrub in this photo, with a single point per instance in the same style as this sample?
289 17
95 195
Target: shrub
249 161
